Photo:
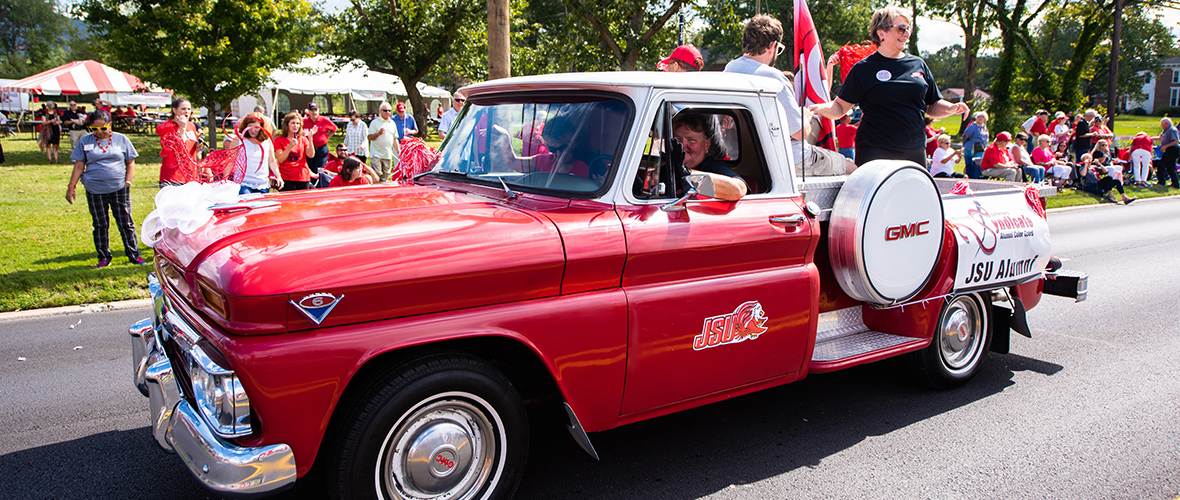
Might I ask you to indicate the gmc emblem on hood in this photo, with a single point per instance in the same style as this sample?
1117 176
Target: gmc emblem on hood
906 231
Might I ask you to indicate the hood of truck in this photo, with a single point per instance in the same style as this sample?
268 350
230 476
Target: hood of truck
371 253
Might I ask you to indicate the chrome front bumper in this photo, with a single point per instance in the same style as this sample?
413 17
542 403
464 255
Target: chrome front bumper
223 467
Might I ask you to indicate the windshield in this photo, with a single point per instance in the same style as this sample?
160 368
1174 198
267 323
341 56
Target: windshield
565 144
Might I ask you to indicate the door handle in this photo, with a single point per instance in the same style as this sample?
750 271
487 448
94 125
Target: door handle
788 219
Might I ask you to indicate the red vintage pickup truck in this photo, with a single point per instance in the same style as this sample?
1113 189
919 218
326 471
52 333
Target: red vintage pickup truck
559 250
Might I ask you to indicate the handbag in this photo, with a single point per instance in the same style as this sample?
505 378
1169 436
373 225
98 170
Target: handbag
977 148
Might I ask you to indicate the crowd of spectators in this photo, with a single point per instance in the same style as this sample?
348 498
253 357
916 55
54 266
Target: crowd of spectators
299 146
1075 151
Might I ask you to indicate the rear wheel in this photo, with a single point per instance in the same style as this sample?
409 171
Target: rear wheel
445 426
960 343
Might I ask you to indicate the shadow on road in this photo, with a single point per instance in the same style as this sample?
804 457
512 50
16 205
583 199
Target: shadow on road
754 437
684 455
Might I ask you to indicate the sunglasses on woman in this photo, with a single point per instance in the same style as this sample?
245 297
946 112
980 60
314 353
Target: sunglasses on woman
100 129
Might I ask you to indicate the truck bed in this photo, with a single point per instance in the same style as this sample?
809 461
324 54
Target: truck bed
823 190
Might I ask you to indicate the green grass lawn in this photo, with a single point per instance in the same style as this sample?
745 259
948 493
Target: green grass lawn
1124 126
48 256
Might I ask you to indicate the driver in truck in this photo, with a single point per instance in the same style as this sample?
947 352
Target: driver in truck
703 150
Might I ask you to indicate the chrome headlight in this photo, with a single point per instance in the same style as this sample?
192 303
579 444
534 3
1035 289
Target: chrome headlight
219 395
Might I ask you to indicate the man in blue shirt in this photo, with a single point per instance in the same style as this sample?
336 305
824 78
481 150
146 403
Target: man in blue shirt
405 123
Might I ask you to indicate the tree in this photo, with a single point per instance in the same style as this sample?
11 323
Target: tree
210 51
1146 43
33 37
948 63
838 23
974 18
626 28
405 38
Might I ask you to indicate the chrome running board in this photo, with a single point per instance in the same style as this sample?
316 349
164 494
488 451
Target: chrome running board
842 334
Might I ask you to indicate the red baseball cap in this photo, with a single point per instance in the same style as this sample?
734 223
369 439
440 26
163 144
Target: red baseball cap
685 53
1004 136
401 106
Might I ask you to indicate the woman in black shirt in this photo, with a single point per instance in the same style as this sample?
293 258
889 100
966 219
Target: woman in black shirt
895 90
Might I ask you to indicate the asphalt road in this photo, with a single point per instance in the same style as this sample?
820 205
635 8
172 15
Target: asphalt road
1087 409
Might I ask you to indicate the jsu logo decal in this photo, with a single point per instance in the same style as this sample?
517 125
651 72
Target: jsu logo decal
746 322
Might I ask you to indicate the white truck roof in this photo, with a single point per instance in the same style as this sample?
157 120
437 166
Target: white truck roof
621 81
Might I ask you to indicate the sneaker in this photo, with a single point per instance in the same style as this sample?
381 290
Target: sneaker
1129 200
103 263
138 261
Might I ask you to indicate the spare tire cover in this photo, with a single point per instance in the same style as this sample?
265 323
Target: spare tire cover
886 231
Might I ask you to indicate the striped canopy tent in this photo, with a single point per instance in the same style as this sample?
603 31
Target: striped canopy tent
79 77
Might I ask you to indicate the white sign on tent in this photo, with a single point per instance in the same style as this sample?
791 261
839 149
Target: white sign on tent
155 99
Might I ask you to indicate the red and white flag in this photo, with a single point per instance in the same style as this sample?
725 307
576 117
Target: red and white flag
811 85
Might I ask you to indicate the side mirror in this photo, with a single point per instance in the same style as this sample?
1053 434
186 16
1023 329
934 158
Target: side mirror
703 184
698 184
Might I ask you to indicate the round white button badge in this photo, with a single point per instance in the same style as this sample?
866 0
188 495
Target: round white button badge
884 75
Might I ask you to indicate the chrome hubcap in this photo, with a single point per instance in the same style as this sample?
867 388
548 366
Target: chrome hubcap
446 447
962 334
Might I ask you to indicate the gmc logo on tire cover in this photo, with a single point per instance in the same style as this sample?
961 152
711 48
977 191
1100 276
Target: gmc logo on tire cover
904 231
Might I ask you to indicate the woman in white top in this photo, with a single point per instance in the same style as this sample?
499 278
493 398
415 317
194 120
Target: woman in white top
1060 128
942 163
356 136
257 151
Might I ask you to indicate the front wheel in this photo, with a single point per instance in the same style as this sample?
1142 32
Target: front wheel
960 343
444 426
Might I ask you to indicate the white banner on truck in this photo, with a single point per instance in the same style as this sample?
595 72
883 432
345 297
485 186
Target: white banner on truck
1001 240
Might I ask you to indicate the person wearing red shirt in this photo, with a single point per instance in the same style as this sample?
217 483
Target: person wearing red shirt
1036 126
336 162
932 136
292 149
846 137
1099 131
997 162
1141 147
172 173
321 130
350 174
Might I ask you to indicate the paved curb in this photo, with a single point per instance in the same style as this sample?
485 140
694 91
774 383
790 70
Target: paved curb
1096 205
79 309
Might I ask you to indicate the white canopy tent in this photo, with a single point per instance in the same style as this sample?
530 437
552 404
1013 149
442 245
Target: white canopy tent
315 76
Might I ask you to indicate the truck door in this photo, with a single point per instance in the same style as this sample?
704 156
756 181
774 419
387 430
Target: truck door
720 294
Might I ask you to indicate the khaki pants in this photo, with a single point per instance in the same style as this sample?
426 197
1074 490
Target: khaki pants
1008 174
75 136
383 167
821 162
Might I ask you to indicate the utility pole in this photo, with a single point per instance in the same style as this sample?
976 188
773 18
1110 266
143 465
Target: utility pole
757 7
1112 89
499 57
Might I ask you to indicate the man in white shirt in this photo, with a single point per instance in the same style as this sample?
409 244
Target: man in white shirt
448 117
761 45
1035 126
383 143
